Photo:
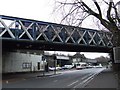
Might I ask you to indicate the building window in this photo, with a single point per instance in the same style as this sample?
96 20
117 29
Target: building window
26 65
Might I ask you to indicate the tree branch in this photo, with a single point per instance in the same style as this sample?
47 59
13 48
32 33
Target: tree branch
98 7
104 22
88 10
112 22
108 22
70 12
116 13
106 2
109 11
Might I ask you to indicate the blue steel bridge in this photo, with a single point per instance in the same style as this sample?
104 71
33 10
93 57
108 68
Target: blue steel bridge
20 33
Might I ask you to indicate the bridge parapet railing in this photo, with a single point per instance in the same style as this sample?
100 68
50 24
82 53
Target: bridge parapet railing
14 28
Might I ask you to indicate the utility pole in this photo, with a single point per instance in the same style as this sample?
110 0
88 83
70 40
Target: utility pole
54 57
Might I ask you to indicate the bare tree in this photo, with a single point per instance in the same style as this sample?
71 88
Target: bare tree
76 11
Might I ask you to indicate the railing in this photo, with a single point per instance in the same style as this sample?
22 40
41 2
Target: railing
32 30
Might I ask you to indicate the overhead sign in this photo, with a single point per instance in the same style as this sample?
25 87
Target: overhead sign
63 57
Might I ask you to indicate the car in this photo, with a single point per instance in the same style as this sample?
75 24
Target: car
58 68
98 66
81 65
67 67
89 66
53 68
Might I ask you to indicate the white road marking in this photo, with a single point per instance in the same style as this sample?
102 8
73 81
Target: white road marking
86 76
73 83
55 80
84 81
87 80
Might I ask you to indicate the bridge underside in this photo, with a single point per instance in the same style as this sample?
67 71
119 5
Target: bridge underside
30 45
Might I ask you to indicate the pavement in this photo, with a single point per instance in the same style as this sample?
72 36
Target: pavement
13 77
106 79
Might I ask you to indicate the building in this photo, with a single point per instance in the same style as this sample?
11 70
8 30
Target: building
61 60
22 62
78 58
31 61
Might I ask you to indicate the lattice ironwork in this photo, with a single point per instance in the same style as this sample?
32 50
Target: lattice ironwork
33 30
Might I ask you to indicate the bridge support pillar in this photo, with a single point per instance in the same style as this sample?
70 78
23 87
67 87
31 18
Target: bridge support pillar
116 63
116 52
0 64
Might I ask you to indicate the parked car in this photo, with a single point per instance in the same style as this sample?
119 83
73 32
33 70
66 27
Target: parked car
89 66
67 67
98 66
81 65
53 68
58 68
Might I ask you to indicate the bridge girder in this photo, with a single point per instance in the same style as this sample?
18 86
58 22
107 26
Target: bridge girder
34 34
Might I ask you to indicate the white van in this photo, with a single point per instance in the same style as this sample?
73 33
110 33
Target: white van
67 67
81 65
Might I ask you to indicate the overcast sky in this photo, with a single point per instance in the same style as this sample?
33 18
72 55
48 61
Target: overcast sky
39 10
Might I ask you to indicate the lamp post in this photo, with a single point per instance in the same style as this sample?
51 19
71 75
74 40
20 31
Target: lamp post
54 57
43 59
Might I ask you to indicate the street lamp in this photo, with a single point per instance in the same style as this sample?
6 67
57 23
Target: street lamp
43 59
54 57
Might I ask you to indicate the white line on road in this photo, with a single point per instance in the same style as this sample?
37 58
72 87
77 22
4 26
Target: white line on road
84 81
73 83
87 80
86 76
55 80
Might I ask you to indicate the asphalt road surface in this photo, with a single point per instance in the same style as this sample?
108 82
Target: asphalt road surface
67 79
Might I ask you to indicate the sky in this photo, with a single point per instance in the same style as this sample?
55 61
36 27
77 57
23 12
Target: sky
39 10
87 54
